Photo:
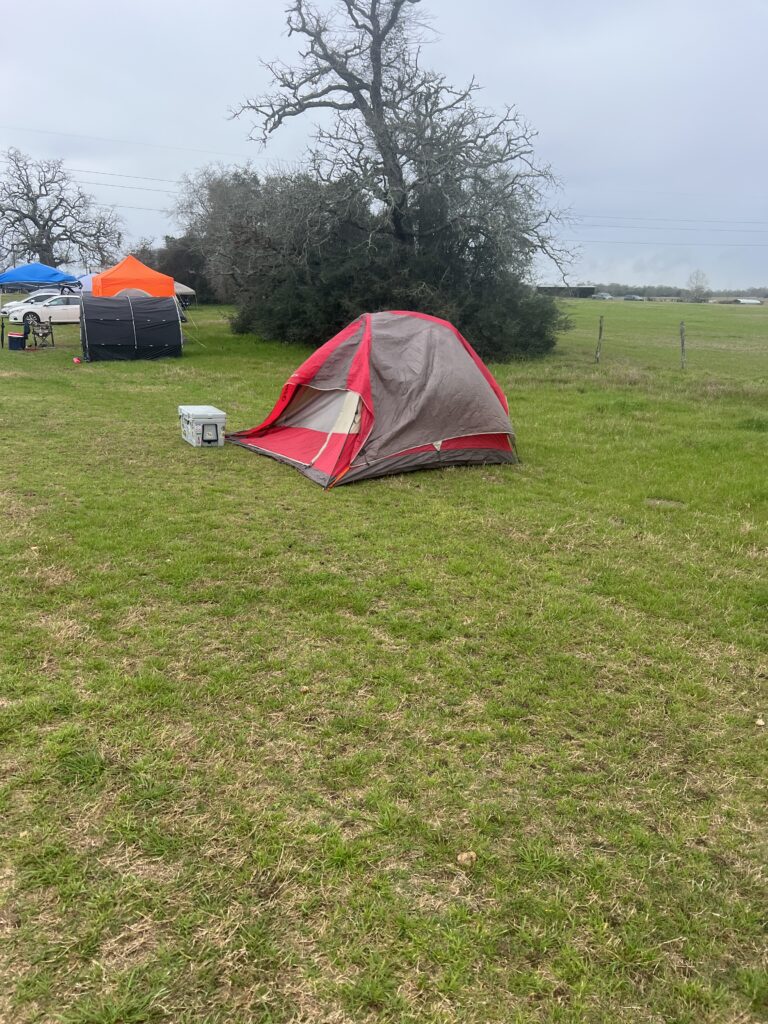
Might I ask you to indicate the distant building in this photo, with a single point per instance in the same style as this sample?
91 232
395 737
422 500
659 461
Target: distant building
564 291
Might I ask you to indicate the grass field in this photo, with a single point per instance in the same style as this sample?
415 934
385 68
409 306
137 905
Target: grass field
248 726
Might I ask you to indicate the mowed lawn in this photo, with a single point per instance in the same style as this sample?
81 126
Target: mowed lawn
248 726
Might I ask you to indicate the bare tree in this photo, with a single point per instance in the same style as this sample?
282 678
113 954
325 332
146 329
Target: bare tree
698 286
424 152
414 197
145 249
46 216
221 210
301 257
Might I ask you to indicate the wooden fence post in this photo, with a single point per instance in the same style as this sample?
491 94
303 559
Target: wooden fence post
682 344
599 348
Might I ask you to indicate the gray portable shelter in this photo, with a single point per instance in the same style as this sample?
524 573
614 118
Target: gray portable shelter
130 327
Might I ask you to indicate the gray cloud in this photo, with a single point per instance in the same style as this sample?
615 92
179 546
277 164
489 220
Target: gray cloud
647 112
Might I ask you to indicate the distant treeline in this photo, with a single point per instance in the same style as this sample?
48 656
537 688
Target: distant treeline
668 291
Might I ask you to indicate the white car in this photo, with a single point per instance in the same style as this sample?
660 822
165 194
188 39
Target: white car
61 309
33 299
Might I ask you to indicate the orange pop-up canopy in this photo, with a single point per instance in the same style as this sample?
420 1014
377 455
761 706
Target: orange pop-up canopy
132 273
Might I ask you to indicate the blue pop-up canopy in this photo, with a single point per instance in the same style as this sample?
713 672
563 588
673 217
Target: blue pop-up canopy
36 273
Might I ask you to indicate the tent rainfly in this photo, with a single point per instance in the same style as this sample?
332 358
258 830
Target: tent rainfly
392 392
127 327
131 276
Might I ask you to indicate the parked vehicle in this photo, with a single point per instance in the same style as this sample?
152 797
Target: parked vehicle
34 299
61 309
634 298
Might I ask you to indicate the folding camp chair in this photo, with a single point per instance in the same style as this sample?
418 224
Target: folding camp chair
42 335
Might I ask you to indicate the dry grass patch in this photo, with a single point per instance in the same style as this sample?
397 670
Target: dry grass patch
64 630
132 863
52 576
133 946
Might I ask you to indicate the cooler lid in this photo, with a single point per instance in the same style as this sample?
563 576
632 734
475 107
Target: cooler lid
202 412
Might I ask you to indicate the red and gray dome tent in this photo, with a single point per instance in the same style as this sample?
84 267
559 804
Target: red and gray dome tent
392 392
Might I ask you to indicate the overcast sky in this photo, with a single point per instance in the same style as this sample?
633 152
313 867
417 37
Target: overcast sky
651 114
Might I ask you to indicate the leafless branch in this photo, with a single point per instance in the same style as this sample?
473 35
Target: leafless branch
45 216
